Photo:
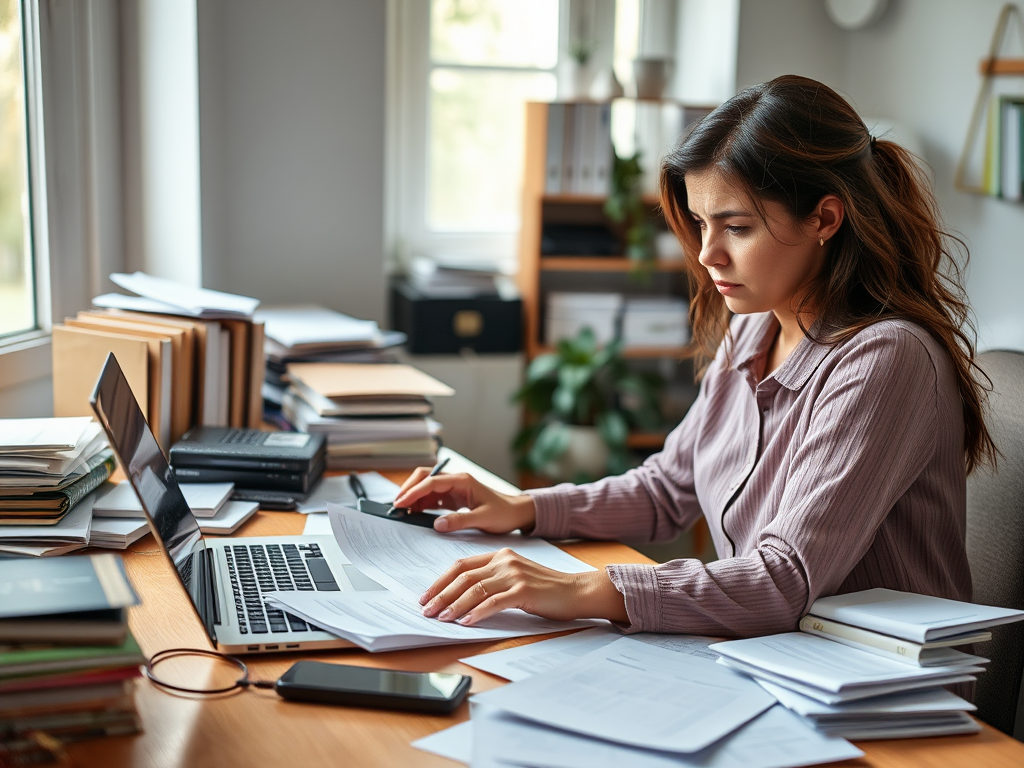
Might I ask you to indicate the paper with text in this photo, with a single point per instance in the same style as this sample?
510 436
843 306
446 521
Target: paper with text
637 694
407 559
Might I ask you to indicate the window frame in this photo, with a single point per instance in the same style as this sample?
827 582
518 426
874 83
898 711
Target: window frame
407 233
72 101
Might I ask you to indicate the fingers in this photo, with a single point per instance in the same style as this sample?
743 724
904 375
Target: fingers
449 576
460 490
417 476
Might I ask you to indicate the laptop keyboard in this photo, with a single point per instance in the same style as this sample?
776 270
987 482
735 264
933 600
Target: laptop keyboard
256 568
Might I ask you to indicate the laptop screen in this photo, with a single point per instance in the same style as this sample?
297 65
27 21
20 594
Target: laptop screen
170 518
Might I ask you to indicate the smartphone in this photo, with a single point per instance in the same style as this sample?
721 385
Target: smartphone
437 692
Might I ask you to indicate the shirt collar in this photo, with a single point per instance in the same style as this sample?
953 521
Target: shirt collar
797 368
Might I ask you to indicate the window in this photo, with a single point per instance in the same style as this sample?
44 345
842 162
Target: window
17 283
487 58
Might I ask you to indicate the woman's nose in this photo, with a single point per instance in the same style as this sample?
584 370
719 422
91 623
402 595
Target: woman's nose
711 253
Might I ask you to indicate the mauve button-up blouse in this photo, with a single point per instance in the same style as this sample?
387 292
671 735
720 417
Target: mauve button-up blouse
843 470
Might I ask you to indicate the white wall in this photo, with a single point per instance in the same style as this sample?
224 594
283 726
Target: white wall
918 66
292 145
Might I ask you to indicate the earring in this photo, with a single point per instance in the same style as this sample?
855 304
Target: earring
821 241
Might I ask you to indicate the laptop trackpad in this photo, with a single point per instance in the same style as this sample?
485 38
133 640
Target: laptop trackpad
359 581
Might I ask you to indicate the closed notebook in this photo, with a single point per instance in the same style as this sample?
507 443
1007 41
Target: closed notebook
918 618
343 380
63 585
59 502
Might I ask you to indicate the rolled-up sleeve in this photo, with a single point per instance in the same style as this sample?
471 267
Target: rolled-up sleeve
868 429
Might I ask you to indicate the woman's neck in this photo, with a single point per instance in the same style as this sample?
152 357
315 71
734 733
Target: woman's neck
789 336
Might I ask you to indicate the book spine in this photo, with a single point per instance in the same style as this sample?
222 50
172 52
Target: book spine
862 639
556 136
96 477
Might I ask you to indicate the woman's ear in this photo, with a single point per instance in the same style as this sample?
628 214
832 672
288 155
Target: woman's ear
828 217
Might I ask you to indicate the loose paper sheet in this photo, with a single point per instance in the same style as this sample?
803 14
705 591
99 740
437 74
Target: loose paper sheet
407 559
455 743
637 694
775 739
338 490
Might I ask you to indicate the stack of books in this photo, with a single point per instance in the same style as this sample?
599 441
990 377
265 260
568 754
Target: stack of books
68 662
871 664
120 519
452 279
373 416
316 334
50 470
192 356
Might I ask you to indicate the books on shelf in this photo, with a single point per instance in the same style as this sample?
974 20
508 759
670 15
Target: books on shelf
1003 162
659 321
579 149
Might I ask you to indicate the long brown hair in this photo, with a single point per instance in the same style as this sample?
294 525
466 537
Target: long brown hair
792 141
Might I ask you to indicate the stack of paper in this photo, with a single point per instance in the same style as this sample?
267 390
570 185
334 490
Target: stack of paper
597 699
72 673
192 356
860 655
48 467
209 502
373 416
406 560
312 334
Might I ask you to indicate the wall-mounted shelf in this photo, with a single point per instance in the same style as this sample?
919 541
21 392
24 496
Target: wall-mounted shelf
602 264
1001 67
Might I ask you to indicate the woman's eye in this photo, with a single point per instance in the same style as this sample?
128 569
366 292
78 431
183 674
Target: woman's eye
735 229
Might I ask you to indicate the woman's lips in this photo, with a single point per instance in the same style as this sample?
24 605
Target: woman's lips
726 288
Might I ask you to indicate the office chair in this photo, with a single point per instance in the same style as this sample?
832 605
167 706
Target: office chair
995 544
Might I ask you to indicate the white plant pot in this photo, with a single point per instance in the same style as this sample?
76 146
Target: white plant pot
574 80
587 453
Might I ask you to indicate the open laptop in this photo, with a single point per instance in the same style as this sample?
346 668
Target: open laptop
224 578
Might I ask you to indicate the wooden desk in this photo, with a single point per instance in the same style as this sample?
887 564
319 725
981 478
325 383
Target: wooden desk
256 728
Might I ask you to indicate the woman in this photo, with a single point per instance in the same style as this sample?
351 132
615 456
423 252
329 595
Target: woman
837 418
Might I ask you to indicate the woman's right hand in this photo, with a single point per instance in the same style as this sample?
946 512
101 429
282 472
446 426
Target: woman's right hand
489 511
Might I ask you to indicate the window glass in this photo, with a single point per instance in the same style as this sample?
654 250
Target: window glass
17 302
503 33
476 146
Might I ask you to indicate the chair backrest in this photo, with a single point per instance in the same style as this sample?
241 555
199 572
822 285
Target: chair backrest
995 543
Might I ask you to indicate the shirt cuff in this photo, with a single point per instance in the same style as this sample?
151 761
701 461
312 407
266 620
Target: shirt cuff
639 586
554 517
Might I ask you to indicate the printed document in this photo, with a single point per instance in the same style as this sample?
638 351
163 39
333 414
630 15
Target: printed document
455 743
407 559
637 694
383 621
824 664
525 661
929 701
775 739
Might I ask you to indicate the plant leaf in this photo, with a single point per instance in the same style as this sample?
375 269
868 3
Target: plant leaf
551 443
613 428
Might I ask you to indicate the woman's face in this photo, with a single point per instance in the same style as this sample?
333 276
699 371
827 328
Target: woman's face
757 267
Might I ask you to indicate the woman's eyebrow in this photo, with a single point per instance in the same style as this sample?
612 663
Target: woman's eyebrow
724 214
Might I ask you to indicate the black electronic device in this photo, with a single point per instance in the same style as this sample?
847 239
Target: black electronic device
487 324
436 692
250 458
398 514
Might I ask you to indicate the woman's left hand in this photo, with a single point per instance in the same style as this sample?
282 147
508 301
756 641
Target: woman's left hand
478 587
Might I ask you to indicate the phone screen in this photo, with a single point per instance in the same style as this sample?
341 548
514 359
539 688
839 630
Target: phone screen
333 677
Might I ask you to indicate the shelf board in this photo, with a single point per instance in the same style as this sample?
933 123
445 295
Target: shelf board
1002 67
645 439
633 353
602 264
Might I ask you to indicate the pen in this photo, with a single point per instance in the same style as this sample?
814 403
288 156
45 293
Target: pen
438 467
356 485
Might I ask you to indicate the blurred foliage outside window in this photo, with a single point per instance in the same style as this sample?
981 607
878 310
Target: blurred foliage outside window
17 304
487 57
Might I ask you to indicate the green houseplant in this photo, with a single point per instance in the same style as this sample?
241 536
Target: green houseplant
582 385
625 206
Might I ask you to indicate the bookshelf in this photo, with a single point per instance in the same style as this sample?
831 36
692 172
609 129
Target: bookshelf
539 274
